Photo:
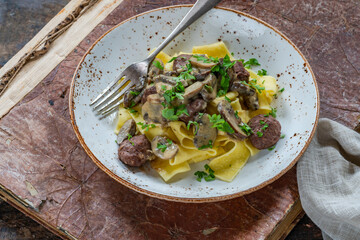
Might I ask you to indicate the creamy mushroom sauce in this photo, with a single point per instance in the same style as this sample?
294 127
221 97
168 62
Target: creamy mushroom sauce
183 93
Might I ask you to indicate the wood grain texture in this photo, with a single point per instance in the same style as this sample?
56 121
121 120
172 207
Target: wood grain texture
38 149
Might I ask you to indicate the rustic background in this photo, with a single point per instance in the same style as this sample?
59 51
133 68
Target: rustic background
329 44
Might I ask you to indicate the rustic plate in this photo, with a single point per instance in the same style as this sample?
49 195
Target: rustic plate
247 37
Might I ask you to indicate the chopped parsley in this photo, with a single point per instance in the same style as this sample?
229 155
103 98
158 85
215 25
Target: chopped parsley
161 147
236 114
194 123
246 128
116 141
251 62
260 134
271 148
272 113
172 59
173 113
146 126
220 123
265 127
253 83
222 70
134 93
282 136
169 141
209 88
208 176
281 90
158 65
210 145
227 99
262 72
133 111
132 104
129 138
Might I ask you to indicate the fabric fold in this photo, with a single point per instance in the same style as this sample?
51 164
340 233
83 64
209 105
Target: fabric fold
329 180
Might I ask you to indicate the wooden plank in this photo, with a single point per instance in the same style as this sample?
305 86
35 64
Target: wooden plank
35 71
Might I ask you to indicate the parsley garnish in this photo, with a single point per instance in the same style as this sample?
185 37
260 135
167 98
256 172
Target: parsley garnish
202 59
271 148
195 124
206 146
209 88
158 65
161 147
132 110
227 99
116 141
210 176
169 141
236 114
272 113
246 128
260 134
132 104
265 127
129 137
146 126
281 90
220 124
262 72
134 93
251 62
253 83
173 114
172 59
282 136
222 70
262 122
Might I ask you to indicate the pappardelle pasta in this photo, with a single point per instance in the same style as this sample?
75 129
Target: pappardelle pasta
198 106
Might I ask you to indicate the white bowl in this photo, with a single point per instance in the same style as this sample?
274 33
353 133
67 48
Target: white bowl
247 37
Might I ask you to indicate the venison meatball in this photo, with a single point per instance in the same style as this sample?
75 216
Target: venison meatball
266 131
136 151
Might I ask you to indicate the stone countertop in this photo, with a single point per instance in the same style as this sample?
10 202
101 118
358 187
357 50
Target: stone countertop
34 14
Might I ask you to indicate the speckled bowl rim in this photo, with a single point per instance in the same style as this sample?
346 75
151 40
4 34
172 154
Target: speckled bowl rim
179 199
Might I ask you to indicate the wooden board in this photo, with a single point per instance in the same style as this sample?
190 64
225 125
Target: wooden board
46 174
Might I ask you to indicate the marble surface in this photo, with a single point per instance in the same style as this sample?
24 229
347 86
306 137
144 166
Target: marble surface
326 31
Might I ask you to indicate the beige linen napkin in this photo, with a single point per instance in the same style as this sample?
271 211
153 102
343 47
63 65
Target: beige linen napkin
329 181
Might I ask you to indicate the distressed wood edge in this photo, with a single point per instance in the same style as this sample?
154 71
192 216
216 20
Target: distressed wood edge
288 222
21 205
40 35
37 70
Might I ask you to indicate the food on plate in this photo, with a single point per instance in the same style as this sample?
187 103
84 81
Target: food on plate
192 107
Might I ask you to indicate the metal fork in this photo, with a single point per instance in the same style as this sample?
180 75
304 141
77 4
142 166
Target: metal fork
109 98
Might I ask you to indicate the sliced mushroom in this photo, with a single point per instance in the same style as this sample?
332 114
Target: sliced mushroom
200 73
148 91
171 74
193 108
227 112
154 70
162 87
180 62
168 80
242 89
133 96
201 64
168 149
152 109
205 134
252 102
129 128
209 90
192 90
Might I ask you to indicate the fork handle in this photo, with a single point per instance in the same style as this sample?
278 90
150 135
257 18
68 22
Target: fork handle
199 9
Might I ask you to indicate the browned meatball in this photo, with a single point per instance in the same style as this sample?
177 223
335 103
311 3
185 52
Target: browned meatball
266 131
195 107
148 91
136 151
